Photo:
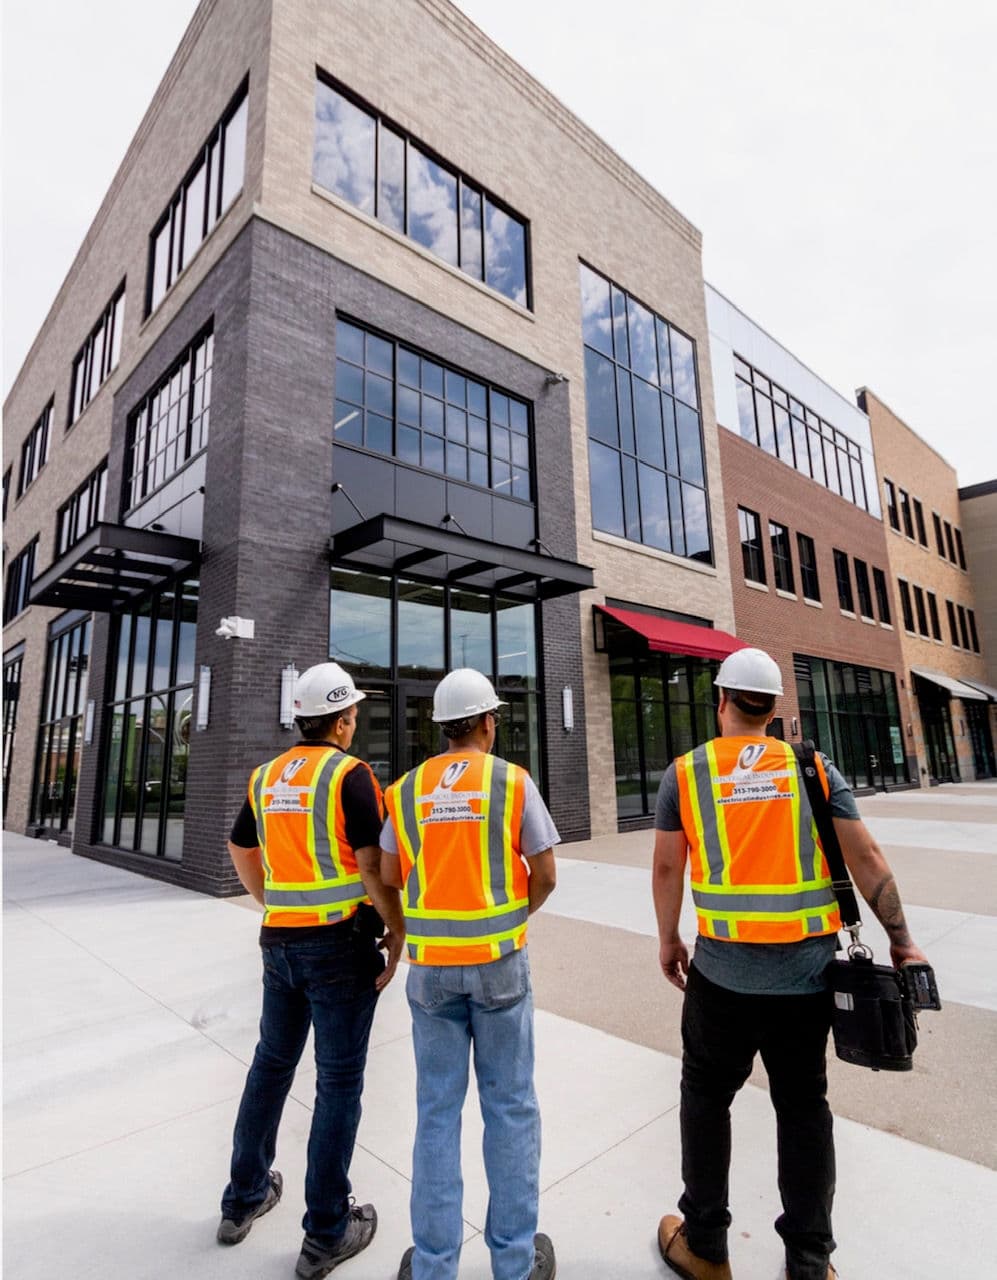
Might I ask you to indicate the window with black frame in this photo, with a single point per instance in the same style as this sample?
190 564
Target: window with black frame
20 572
35 449
98 357
381 170
906 606
60 743
11 697
892 510
882 596
83 510
647 473
782 560
842 575
809 578
394 401
863 589
936 626
397 637
953 625
752 556
920 611
149 723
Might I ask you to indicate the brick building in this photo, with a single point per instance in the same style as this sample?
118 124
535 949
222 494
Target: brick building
809 565
978 516
335 360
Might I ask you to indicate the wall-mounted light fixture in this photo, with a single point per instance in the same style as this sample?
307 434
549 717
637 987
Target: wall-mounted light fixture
203 698
288 677
567 708
88 723
795 726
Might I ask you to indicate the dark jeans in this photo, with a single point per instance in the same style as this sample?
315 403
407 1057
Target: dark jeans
328 982
721 1032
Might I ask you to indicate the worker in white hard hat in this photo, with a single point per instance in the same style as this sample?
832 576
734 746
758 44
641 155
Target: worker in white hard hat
469 841
306 846
737 808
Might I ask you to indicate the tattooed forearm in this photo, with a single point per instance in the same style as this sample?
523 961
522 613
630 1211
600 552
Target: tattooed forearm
888 910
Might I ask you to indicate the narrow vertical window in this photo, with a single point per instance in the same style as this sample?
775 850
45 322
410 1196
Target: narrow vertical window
782 562
808 567
752 556
842 575
882 596
905 605
863 589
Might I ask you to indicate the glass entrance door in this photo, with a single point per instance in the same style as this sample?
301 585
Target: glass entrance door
419 738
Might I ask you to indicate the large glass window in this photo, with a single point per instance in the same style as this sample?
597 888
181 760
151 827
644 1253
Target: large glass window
60 745
391 400
845 599
374 166
149 716
83 510
34 451
647 476
397 637
171 424
808 567
211 185
99 355
782 562
11 697
768 416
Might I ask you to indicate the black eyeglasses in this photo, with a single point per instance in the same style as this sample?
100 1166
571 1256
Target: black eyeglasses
497 717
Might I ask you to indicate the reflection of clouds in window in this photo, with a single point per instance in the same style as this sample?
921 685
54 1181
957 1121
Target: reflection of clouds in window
391 176
432 206
343 159
505 253
597 325
683 368
643 352
654 508
697 530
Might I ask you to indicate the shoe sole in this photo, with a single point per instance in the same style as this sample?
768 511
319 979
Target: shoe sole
674 1266
247 1226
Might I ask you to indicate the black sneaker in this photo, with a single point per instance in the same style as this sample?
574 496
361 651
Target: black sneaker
233 1232
405 1266
544 1262
315 1260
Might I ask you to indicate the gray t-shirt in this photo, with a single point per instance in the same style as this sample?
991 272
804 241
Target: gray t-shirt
536 833
762 968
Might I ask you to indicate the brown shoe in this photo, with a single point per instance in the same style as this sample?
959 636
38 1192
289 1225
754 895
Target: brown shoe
677 1254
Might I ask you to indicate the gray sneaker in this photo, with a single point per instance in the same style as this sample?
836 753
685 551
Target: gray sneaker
315 1260
405 1266
544 1262
231 1231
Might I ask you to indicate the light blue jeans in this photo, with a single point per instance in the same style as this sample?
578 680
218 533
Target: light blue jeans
491 1007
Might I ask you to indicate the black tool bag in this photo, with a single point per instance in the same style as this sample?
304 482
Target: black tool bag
874 1024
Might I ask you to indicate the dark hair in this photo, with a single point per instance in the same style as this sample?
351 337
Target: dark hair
318 728
455 730
754 706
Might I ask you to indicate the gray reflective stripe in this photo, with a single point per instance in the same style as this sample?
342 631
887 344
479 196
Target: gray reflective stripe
703 781
807 844
321 788
816 924
721 929
484 927
497 830
328 895
409 815
506 946
258 799
413 951
769 903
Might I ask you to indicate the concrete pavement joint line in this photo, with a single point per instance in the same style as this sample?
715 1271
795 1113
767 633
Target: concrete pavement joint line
613 1146
120 1137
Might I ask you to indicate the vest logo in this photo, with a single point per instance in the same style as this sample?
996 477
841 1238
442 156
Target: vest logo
454 773
291 768
750 757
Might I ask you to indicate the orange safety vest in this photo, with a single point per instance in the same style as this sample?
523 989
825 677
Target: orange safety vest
311 868
758 872
466 896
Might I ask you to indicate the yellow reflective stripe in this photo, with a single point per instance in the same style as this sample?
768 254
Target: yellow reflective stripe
796 784
445 940
720 810
451 913
483 832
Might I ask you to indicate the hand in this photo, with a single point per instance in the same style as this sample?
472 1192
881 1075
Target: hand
907 953
674 960
391 944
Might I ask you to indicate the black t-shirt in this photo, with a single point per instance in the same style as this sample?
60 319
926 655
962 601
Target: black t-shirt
362 813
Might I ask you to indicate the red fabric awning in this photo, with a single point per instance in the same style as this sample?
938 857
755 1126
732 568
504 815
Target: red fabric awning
665 636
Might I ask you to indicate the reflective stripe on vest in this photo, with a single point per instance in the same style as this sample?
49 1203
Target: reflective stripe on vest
311 874
457 820
758 871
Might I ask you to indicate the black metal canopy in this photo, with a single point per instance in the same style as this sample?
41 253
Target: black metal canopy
388 544
113 567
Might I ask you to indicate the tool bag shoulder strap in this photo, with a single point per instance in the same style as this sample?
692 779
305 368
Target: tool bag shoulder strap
819 803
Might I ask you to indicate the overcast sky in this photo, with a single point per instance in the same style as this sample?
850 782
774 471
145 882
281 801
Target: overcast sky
840 160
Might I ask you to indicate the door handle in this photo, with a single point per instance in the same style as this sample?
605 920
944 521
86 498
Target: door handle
873 762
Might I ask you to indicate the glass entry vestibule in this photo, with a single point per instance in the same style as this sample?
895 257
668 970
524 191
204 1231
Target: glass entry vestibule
397 637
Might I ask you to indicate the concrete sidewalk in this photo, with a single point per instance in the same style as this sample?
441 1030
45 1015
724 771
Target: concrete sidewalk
130 1017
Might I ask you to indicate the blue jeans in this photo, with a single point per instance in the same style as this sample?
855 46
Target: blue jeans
328 982
491 1007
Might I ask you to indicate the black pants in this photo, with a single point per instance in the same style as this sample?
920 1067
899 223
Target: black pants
721 1032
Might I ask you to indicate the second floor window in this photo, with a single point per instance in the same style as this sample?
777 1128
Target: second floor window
171 423
34 451
892 511
882 596
953 626
863 588
647 475
83 510
905 604
782 562
392 400
939 540
922 534
383 172
936 626
808 567
20 572
905 515
844 580
922 616
752 557
98 356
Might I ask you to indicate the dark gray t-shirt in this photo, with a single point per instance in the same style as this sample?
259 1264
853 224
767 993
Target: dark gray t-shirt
762 968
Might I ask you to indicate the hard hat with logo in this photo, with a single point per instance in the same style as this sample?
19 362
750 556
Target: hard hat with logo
751 670
462 694
323 689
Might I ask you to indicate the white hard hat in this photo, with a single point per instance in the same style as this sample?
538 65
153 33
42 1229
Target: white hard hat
751 670
463 693
323 689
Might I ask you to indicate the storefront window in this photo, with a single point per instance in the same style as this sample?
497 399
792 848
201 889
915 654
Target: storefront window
61 740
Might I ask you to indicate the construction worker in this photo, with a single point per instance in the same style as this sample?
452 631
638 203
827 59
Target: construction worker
768 919
469 841
305 845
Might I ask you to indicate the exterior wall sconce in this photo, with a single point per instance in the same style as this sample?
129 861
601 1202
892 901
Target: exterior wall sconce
88 723
288 677
567 708
794 726
910 729
203 699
